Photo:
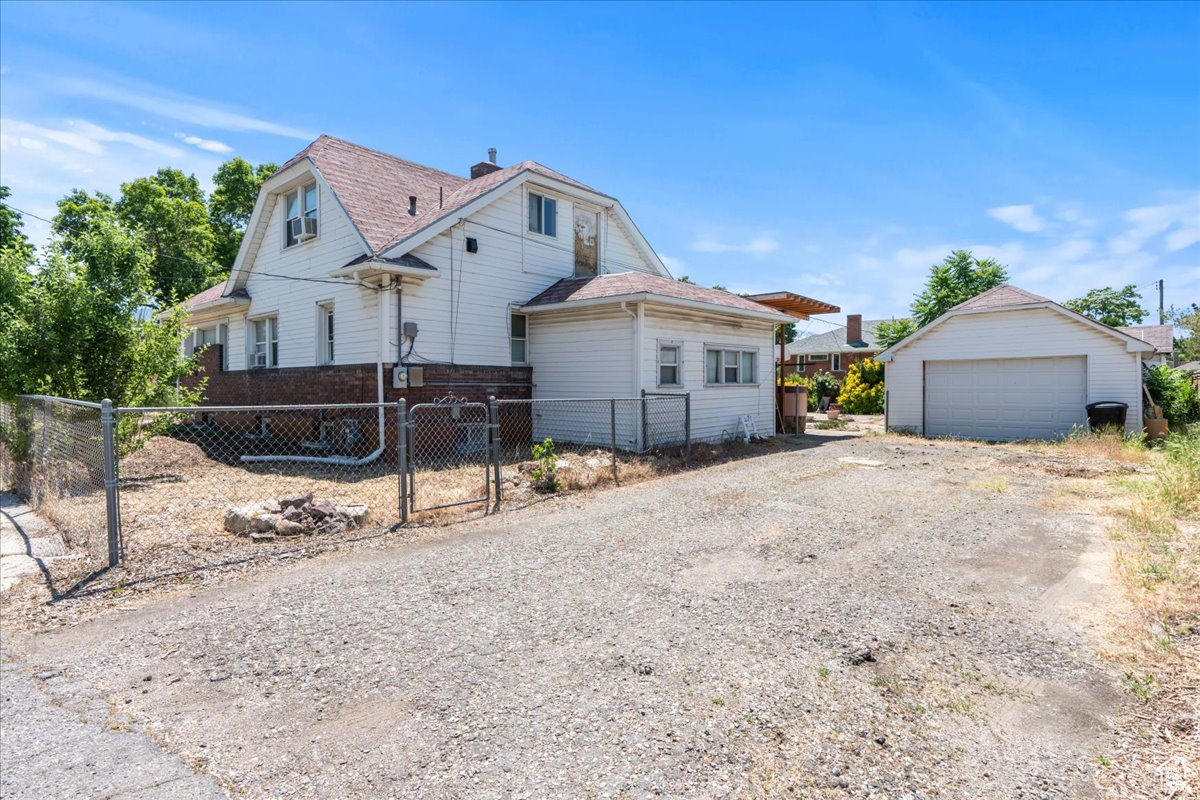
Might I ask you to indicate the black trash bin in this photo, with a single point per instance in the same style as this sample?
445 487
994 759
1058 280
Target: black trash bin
1106 414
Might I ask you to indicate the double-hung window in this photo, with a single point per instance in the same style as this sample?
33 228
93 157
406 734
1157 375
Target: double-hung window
837 363
325 332
264 342
723 366
300 213
543 215
517 338
670 364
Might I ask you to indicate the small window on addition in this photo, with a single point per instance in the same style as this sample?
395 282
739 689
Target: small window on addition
543 215
325 332
518 340
669 365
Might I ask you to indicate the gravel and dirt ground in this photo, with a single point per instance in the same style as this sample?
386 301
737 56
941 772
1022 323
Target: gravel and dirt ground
858 617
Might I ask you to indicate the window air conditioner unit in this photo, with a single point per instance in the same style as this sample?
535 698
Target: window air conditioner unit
303 229
260 360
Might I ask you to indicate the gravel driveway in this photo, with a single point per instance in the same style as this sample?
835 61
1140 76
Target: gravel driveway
787 623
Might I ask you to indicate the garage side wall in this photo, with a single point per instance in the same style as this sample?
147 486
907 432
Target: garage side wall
715 409
1112 372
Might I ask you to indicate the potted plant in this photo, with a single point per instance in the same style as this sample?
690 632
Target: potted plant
825 386
834 411
795 395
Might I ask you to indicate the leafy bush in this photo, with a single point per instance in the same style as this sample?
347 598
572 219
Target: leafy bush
863 391
545 474
1174 390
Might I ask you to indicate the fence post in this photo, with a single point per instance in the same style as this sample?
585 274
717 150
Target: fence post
687 425
111 496
645 443
494 413
402 455
612 433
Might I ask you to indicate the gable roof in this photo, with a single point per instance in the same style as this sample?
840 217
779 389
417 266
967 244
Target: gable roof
1002 295
1161 336
374 187
1005 297
639 285
834 341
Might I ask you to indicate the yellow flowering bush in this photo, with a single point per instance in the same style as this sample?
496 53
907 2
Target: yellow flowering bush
862 393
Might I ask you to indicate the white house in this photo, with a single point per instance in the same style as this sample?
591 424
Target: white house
517 281
1008 365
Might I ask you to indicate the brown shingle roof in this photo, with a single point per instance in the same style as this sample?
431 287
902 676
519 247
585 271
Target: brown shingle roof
213 294
374 188
621 284
1002 295
1161 336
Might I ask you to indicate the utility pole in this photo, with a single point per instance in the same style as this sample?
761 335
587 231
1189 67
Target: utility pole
1162 314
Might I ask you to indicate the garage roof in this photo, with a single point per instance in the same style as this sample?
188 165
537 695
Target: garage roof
1011 298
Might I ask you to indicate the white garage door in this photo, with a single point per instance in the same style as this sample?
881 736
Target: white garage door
1005 399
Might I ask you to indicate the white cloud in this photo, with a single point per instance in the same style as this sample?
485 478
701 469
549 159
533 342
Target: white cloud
172 106
1023 218
673 265
79 135
1178 223
758 246
211 145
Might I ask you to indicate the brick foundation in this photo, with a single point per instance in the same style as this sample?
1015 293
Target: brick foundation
352 383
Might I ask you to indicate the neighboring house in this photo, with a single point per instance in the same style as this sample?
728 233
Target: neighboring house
364 277
1161 336
834 351
1008 365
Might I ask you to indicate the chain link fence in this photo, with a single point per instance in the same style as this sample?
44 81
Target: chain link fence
127 481
52 456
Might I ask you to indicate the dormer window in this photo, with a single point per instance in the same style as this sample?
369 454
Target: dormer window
543 215
300 215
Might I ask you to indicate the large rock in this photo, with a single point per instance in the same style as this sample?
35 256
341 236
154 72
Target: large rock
321 510
286 527
296 501
240 520
293 513
272 507
262 521
355 516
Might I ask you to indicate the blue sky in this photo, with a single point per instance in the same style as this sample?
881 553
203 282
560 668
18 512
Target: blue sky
835 150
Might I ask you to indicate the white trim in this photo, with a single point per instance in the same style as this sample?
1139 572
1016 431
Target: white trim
1132 343
677 346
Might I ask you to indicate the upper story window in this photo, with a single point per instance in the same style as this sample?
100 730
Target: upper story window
300 212
518 339
264 342
325 332
543 215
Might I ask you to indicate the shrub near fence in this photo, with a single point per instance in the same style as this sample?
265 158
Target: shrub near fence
152 477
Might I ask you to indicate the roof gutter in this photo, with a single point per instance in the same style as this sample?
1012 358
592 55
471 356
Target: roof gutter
649 297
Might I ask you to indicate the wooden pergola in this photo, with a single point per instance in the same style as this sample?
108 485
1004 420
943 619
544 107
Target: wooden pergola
794 305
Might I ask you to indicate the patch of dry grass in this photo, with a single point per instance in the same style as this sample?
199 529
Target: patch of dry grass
1106 444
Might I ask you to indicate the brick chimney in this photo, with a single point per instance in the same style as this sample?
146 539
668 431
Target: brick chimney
486 167
853 328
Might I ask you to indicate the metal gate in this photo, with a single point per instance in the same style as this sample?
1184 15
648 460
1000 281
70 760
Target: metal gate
456 438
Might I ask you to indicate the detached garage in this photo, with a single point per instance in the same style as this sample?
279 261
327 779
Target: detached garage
1010 365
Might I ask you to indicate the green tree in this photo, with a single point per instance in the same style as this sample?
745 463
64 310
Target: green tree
76 324
79 212
168 209
1187 348
686 279
1111 306
789 332
890 331
236 185
11 224
957 279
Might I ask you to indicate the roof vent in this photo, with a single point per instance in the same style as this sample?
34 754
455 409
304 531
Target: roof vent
412 204
485 167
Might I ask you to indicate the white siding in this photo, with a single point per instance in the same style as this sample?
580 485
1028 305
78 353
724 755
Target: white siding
295 301
584 355
1112 372
715 409
591 355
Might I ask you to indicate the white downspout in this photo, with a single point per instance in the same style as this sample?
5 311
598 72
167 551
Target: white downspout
350 461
